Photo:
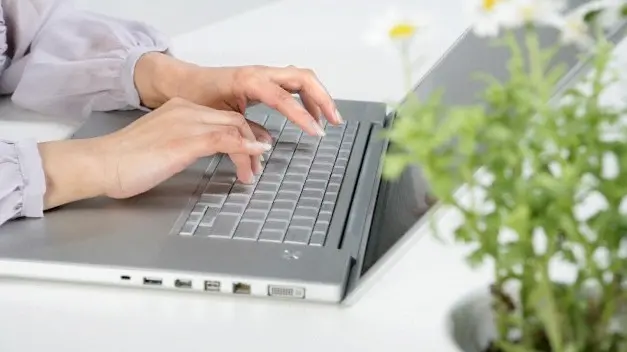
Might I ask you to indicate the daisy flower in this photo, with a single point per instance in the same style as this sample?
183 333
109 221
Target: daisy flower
517 13
395 28
487 16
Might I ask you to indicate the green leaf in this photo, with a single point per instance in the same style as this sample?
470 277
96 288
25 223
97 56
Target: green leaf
394 165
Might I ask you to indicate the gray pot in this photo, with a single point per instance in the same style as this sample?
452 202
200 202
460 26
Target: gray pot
471 322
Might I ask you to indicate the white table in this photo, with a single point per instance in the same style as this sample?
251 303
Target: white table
405 311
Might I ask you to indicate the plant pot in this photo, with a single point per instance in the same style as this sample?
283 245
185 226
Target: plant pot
471 321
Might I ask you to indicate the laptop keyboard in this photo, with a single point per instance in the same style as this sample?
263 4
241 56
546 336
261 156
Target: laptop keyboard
293 199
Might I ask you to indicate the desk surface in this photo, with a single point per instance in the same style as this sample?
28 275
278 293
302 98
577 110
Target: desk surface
405 311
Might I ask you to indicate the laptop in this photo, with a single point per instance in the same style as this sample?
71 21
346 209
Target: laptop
318 225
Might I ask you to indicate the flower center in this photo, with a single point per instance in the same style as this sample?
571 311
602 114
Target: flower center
402 31
489 5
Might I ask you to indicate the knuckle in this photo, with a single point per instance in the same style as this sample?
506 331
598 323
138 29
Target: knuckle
177 101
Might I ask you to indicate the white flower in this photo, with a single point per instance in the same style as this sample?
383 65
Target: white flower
395 28
612 12
574 29
516 13
487 17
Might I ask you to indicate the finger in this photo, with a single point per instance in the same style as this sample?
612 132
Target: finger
228 140
231 118
244 167
279 99
305 80
260 132
311 106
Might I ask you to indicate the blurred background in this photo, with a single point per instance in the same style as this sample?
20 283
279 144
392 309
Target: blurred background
169 15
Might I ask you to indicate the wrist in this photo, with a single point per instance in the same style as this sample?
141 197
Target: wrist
158 78
72 171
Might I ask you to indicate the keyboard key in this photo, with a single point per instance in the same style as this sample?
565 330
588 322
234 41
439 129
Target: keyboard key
210 217
309 202
262 196
217 188
284 204
330 197
333 188
312 193
319 175
294 178
276 225
232 208
271 236
248 230
302 212
325 217
303 222
316 184
288 195
212 200
194 218
321 226
280 214
291 187
327 207
260 205
199 209
267 187
188 229
256 215
240 188
237 198
297 235
202 231
317 238
270 178
224 226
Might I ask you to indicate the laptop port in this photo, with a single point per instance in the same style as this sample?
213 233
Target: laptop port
286 291
151 281
241 288
213 286
125 277
183 283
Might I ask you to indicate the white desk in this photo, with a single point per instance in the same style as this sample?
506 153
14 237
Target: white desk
406 311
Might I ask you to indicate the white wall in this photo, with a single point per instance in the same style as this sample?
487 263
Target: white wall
172 16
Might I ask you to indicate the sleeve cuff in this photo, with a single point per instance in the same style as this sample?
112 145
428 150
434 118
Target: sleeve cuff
33 177
128 75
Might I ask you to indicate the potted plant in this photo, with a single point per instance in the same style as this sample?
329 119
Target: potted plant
540 183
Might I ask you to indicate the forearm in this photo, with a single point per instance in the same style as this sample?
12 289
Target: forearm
158 78
72 171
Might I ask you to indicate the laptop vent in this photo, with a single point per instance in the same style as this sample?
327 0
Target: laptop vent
287 292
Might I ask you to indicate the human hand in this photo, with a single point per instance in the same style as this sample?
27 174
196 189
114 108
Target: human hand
160 77
147 152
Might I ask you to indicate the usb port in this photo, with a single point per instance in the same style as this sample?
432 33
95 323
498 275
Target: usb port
183 283
152 281
213 286
241 288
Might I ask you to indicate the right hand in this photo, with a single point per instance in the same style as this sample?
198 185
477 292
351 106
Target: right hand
147 152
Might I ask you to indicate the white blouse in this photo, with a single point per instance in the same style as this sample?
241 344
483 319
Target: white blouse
56 59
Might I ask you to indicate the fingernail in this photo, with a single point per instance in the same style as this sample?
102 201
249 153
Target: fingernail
258 145
259 167
318 128
262 158
320 122
251 179
338 117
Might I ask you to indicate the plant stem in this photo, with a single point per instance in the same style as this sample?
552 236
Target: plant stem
407 65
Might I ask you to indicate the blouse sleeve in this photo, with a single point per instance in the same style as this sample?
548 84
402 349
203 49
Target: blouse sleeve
59 60
67 61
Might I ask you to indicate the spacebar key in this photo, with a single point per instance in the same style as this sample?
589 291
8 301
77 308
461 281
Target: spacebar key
224 225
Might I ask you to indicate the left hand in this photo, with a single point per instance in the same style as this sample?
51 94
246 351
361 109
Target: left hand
160 77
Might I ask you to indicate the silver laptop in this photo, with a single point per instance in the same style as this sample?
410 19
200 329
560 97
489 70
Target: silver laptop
318 225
